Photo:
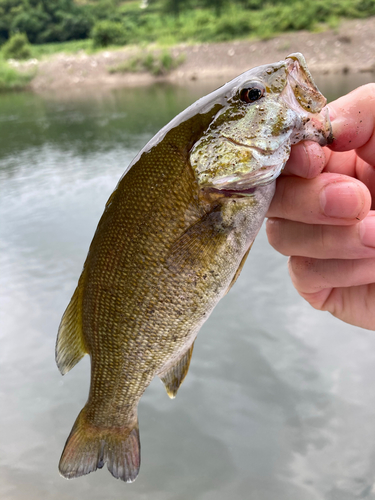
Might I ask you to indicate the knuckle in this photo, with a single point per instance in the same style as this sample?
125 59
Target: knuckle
287 197
275 234
300 270
366 91
325 240
370 90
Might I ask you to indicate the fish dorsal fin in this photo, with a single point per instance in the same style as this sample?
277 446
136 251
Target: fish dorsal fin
70 346
174 376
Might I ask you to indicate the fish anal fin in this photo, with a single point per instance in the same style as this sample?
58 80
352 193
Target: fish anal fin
173 377
89 447
240 267
70 346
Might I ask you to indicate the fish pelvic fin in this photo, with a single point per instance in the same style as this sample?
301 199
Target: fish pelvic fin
173 377
240 267
89 447
70 345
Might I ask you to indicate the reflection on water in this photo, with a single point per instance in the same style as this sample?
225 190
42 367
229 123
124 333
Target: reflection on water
279 402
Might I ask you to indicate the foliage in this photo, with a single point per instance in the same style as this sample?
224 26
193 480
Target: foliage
175 21
17 47
174 6
11 79
104 9
106 33
157 65
43 20
216 5
118 22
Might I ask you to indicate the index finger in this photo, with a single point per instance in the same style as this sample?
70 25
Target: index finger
307 159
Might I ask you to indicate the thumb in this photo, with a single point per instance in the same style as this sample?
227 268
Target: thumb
353 122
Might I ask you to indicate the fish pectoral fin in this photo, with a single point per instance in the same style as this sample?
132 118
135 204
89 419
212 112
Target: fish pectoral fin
89 447
70 346
240 267
173 377
194 249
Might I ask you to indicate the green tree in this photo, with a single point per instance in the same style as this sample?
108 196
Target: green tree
17 47
43 20
106 33
174 6
217 5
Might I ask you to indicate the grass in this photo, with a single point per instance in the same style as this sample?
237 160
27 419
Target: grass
11 79
72 47
159 64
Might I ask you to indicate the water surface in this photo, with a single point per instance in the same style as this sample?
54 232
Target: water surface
279 402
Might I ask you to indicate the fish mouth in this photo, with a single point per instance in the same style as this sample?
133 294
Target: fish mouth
246 185
231 193
303 96
264 151
311 122
235 160
267 164
301 82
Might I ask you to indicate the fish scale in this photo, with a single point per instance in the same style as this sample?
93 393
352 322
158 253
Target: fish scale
171 242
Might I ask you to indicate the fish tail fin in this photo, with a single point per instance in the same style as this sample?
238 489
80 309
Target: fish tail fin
123 454
89 447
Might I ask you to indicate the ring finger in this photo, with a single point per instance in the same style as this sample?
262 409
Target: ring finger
314 275
321 241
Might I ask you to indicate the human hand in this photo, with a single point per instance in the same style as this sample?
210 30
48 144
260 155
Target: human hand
320 215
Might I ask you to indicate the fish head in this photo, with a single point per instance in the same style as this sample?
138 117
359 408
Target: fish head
264 112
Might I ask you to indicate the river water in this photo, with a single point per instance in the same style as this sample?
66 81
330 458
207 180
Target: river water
279 402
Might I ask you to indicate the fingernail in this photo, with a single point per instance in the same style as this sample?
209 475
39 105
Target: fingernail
367 231
342 200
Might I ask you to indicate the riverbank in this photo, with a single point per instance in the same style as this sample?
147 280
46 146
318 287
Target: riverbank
350 48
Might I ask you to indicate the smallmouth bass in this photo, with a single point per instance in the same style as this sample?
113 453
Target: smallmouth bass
170 244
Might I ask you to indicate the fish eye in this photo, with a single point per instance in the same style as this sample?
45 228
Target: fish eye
253 93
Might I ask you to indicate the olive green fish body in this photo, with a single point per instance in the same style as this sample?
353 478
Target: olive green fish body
156 268
171 241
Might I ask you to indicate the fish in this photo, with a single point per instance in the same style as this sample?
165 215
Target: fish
172 241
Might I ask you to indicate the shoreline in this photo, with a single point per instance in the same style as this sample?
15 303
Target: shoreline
349 48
